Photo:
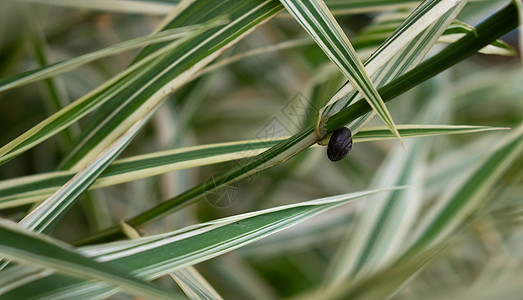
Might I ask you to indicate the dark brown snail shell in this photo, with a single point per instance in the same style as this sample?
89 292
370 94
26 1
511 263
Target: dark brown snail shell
339 144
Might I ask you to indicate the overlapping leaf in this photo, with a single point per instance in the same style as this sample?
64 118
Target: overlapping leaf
53 208
71 64
384 225
154 256
317 20
492 28
29 249
446 218
385 24
426 24
194 285
84 105
24 190
163 7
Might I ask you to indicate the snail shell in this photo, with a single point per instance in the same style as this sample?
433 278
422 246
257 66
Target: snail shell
340 144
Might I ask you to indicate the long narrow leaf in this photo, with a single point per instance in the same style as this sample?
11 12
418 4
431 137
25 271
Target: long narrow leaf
164 7
76 110
179 67
28 248
491 29
426 23
385 220
460 203
384 225
155 256
53 208
194 285
24 190
71 64
446 218
318 21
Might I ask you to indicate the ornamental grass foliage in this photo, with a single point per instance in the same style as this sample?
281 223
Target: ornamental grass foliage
262 149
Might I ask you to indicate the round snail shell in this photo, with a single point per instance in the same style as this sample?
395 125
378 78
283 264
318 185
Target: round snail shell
340 144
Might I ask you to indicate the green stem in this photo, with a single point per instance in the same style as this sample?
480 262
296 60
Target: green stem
491 29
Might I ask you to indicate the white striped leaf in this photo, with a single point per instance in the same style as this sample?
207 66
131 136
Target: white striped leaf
194 285
385 24
519 5
71 64
30 249
81 107
461 200
404 49
154 256
164 7
29 189
188 279
50 211
180 66
298 142
383 224
448 216
276 155
317 20
42 218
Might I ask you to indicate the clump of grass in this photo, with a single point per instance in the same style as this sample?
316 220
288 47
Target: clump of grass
157 140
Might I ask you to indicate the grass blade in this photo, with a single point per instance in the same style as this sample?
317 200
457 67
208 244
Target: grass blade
164 7
81 107
461 202
385 220
194 285
71 64
178 249
46 214
404 49
491 29
444 220
318 21
29 189
28 248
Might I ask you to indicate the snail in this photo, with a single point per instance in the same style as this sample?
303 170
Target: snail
340 144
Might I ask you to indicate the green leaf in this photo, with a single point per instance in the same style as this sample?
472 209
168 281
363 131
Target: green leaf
71 64
519 6
383 225
29 249
50 211
181 65
445 218
404 49
461 200
385 24
76 110
29 189
163 7
121 6
154 256
458 29
318 21
194 285
492 28
189 279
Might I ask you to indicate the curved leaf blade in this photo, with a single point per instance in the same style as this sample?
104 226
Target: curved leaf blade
28 248
24 190
317 20
154 256
71 64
